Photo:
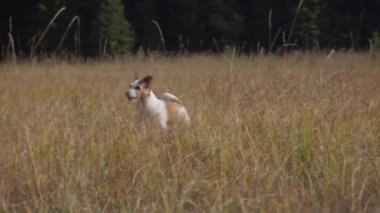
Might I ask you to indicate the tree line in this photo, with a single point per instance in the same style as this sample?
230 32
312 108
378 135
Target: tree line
109 27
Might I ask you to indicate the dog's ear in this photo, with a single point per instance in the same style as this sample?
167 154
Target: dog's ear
146 80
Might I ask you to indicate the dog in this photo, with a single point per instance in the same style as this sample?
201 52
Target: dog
166 109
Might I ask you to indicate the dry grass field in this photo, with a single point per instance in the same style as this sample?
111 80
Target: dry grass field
296 133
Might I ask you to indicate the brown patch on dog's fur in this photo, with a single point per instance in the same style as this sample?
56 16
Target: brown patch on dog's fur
172 108
145 86
145 91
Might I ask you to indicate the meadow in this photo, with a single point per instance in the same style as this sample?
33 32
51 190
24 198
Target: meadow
292 133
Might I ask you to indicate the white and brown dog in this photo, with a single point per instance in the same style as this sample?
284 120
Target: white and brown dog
166 109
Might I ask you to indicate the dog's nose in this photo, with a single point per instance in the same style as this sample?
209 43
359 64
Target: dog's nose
131 95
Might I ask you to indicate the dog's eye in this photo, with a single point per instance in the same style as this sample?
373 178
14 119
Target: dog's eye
137 87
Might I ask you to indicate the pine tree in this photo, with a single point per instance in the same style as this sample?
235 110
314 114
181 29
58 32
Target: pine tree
113 27
307 28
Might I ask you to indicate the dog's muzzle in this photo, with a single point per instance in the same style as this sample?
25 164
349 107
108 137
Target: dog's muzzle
131 95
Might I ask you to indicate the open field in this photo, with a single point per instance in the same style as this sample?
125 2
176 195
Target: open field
288 134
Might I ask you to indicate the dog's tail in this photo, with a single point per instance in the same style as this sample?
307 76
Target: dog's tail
184 115
170 97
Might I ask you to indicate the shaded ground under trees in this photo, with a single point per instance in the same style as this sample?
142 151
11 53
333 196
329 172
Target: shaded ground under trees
193 26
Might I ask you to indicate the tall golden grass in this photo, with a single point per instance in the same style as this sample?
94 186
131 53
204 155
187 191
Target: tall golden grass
296 133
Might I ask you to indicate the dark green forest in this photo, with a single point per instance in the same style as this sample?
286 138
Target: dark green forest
98 27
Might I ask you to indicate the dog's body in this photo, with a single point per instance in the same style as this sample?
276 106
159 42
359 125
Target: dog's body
166 109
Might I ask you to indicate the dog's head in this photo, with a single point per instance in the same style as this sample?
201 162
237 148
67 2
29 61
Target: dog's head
139 89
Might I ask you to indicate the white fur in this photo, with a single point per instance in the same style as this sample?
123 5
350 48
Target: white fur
183 114
155 108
